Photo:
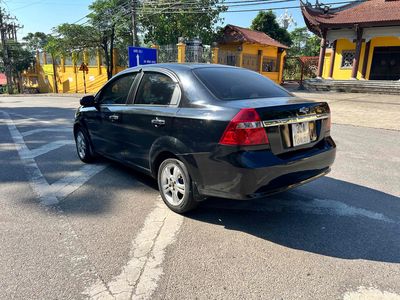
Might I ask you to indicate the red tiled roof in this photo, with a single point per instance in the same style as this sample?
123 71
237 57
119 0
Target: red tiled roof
3 79
239 34
369 12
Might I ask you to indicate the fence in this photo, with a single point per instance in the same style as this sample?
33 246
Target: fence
167 53
300 68
192 51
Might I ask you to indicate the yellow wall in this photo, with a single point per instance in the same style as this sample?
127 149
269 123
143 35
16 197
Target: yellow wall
69 78
344 44
70 81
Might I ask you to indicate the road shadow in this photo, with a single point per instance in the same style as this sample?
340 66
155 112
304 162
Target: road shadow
347 229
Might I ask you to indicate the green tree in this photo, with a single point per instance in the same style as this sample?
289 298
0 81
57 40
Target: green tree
165 23
304 43
266 22
35 41
313 45
111 21
20 59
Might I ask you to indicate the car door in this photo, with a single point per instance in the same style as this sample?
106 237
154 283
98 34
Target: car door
151 114
111 103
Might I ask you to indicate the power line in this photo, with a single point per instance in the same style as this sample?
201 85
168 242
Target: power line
207 10
188 5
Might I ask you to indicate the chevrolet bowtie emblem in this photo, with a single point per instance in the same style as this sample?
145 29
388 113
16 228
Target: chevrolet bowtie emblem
304 110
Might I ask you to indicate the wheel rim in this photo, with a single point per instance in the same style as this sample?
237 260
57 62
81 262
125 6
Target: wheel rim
173 185
81 145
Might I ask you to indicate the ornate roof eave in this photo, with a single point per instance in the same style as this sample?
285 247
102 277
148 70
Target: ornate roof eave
316 23
313 25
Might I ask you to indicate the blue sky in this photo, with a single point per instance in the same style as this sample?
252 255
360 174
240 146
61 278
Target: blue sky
43 15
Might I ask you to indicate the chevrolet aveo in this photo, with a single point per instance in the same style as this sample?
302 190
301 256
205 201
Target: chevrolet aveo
206 130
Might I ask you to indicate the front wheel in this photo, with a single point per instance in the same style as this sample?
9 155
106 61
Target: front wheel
175 186
83 147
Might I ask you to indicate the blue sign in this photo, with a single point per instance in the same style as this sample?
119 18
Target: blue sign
141 56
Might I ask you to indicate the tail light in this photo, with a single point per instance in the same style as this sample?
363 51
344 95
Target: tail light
328 123
245 128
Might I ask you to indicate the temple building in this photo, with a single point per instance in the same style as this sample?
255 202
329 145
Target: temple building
360 40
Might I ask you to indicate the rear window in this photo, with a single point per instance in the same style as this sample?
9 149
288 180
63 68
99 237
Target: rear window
238 84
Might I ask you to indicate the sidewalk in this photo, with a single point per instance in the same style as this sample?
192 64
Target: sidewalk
367 110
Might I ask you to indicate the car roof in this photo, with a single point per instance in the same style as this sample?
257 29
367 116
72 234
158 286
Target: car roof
175 67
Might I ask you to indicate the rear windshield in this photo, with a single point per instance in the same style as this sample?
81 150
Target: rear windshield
238 84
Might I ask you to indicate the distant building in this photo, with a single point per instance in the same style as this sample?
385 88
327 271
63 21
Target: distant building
3 79
253 50
360 40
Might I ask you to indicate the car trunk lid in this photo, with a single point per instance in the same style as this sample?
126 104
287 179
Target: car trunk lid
291 123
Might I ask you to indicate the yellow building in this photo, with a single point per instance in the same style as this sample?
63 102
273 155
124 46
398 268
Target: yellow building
253 50
360 40
66 77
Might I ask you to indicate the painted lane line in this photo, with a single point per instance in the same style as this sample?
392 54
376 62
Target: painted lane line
310 206
34 131
48 194
48 147
82 269
370 293
36 179
139 277
74 180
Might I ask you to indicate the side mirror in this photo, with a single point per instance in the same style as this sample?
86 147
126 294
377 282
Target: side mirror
87 101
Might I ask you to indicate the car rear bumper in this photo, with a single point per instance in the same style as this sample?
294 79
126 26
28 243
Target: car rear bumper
246 175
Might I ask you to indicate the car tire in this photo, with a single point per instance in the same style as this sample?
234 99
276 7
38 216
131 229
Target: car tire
83 146
175 186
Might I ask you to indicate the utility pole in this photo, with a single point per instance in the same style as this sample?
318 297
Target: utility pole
4 31
8 34
134 23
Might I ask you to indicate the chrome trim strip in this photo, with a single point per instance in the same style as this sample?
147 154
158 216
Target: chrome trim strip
293 120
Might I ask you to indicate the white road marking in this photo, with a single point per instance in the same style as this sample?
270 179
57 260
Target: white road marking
48 147
74 180
33 131
48 194
364 293
52 194
309 206
139 277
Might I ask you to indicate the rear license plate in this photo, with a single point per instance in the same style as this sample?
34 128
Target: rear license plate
300 133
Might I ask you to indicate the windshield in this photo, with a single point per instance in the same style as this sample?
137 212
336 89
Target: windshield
238 84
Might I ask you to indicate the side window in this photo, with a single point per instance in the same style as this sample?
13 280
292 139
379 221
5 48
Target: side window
156 89
117 91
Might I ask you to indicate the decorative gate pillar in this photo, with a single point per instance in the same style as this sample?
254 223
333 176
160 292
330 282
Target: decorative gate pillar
181 50
214 53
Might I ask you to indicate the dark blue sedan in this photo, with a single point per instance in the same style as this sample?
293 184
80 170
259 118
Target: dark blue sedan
206 130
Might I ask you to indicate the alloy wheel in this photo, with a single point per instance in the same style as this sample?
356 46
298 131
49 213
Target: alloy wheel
173 185
81 145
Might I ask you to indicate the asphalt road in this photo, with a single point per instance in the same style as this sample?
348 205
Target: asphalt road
75 231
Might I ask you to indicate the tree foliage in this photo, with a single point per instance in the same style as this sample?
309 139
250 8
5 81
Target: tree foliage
111 21
162 27
35 41
304 43
20 59
266 22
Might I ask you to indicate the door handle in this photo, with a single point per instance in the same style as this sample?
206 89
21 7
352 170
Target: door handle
113 117
158 122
